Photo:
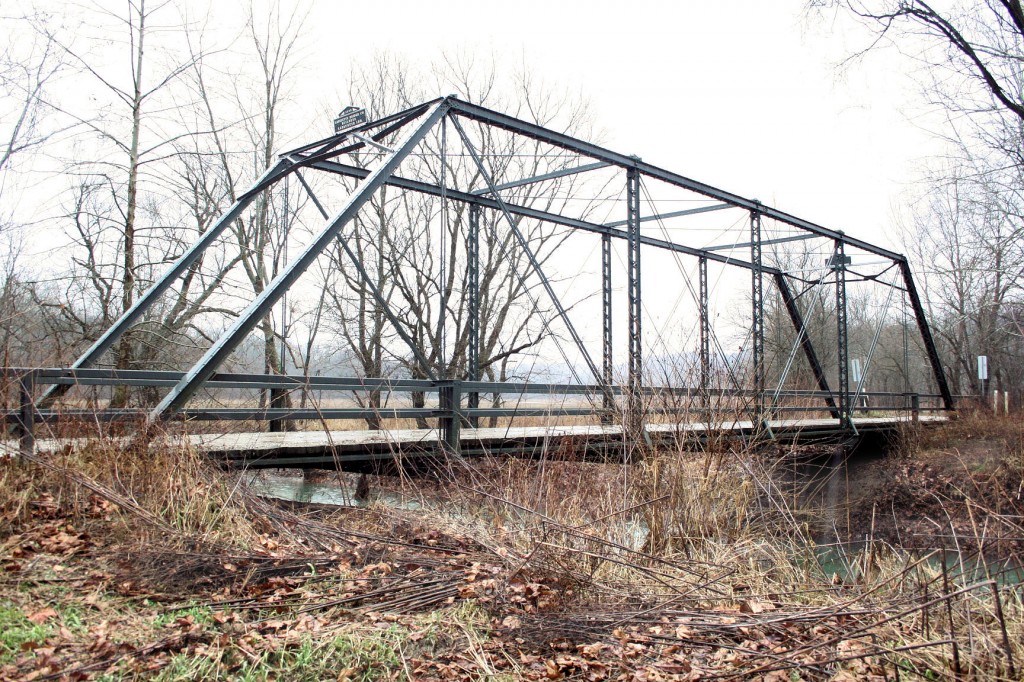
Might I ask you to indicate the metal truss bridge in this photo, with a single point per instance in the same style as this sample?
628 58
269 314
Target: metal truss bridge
775 284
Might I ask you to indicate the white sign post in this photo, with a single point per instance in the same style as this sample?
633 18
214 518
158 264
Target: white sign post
858 378
983 375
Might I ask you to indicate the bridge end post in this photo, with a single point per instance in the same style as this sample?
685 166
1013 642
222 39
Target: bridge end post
450 399
26 414
278 399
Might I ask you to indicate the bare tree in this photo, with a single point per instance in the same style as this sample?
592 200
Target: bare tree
251 121
966 229
969 243
413 248
24 78
262 238
29 65
119 146
981 42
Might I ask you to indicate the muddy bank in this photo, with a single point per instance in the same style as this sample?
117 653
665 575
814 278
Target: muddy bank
960 487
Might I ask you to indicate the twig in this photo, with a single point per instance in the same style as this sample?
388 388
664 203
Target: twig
949 613
1002 627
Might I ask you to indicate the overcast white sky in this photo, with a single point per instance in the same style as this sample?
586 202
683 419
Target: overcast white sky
743 94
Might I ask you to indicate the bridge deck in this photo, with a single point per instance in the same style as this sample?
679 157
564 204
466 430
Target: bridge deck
338 448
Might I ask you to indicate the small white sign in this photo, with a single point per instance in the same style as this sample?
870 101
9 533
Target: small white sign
856 370
983 367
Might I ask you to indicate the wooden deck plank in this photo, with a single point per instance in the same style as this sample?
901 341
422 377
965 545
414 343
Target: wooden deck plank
305 447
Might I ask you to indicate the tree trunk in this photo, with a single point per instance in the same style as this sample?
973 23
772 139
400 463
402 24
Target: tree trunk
124 349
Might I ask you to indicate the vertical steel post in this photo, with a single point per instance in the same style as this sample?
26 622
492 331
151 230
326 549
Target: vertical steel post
606 326
705 338
473 303
757 311
842 333
27 414
635 379
279 396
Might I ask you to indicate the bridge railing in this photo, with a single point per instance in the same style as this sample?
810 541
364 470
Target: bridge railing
453 411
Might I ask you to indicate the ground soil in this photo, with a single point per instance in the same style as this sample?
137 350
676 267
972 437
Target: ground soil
89 591
959 487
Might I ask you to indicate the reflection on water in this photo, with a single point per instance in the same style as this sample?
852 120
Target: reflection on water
844 559
338 493
847 561
630 532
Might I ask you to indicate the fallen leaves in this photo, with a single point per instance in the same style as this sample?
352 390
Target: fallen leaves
43 615
279 595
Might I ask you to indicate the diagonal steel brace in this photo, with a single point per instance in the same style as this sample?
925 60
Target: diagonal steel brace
263 303
534 264
177 269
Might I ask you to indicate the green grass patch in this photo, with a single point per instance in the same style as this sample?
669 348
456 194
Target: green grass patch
201 615
18 633
365 655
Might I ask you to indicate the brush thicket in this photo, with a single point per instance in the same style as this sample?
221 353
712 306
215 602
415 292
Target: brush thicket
159 484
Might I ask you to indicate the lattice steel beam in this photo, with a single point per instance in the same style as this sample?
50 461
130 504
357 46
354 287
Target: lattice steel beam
705 333
635 305
473 306
839 262
757 301
607 319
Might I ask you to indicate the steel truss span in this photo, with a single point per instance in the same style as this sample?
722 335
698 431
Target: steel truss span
634 213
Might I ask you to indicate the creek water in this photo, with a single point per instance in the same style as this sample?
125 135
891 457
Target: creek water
844 560
339 493
847 561
830 483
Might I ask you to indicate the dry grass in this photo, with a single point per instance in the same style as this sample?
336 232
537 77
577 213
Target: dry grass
706 552
679 531
162 483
